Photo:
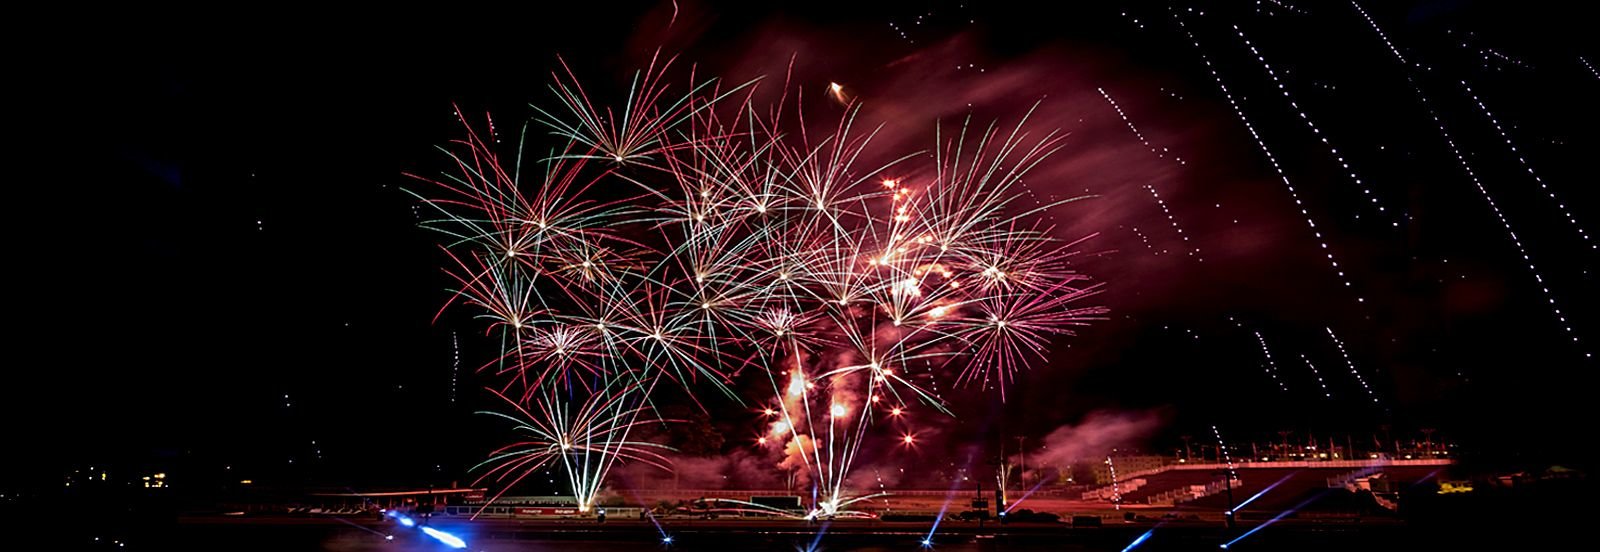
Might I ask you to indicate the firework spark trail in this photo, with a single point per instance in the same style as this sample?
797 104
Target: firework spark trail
1351 363
1238 110
1379 30
734 244
638 135
1116 488
1227 457
455 364
1317 374
1562 206
1144 239
1472 175
1161 153
1194 251
1586 65
1272 366
1311 124
1505 221
586 443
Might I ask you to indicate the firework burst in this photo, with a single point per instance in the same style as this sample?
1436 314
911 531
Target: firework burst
689 239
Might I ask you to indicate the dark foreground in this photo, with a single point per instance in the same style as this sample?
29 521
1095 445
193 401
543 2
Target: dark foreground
349 535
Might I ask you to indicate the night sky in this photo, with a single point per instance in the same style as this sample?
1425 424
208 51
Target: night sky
219 266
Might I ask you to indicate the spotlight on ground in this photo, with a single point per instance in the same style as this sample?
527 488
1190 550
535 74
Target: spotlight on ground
448 539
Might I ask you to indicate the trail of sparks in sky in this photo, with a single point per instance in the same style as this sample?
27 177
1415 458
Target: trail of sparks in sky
1357 373
1385 37
1116 487
1461 158
455 364
1505 222
1144 239
1161 154
1227 457
1565 212
1272 367
1318 374
1332 150
1273 160
1193 251
1591 68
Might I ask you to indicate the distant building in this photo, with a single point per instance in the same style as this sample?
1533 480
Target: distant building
1126 465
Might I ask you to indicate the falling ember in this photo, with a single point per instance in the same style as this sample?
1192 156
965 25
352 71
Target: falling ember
837 91
838 410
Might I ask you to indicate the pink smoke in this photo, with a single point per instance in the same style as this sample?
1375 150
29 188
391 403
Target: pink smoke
1093 438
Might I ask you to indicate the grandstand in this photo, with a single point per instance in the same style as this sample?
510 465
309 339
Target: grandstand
1267 486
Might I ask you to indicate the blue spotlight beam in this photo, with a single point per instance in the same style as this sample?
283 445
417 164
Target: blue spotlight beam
1252 498
448 539
1274 519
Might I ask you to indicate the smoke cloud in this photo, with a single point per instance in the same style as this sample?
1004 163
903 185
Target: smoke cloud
732 470
1093 438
